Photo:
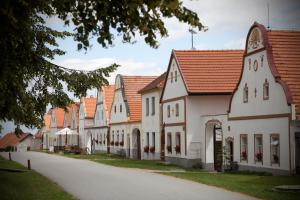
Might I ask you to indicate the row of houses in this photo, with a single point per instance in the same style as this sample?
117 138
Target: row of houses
209 107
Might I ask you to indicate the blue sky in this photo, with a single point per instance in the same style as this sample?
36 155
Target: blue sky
228 22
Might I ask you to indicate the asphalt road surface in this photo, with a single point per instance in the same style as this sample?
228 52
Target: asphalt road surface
89 180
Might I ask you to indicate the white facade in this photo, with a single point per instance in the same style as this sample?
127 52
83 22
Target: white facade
151 124
85 126
100 130
259 112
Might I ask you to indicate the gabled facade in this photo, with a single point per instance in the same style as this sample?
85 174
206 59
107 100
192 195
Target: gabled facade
264 110
195 101
45 130
152 118
102 118
86 122
125 115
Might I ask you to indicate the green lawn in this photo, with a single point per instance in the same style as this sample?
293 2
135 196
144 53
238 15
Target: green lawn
27 185
253 185
118 161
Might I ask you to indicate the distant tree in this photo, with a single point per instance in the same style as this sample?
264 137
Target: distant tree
28 79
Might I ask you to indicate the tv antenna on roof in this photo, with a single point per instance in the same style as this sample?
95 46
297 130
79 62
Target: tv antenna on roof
192 34
268 7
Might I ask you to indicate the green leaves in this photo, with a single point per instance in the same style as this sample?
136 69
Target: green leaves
28 79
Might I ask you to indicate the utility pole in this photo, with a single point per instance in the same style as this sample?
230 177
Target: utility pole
192 34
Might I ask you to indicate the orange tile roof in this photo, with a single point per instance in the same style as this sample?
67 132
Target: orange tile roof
108 94
285 47
132 84
156 83
59 115
11 139
209 71
89 106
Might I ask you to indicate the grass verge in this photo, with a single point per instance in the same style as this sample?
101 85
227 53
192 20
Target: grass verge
27 185
119 161
259 186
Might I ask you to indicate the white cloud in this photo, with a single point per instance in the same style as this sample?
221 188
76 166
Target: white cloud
128 66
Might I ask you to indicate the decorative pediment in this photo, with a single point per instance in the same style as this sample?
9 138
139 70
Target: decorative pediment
255 40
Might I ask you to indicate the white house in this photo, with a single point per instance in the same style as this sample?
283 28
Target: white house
152 118
125 115
195 100
14 142
102 118
264 113
86 122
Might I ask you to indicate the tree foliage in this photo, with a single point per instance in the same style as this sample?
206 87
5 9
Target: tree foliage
28 79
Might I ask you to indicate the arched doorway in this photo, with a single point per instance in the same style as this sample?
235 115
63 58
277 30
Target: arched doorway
136 144
214 145
229 148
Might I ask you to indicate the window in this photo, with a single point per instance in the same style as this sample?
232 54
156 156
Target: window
169 111
244 147
118 136
266 90
169 143
258 143
153 139
104 139
115 109
147 106
178 143
274 149
245 94
171 77
177 109
113 136
120 108
102 114
175 75
123 136
147 139
153 105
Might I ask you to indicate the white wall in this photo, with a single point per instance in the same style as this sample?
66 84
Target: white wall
151 123
265 127
173 118
201 109
174 89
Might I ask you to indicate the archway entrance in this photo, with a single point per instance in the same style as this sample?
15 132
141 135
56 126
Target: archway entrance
214 145
136 144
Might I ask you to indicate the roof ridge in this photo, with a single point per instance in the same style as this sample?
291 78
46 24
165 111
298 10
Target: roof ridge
209 50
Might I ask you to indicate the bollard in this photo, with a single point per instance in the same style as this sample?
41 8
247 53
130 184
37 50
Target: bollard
28 165
9 155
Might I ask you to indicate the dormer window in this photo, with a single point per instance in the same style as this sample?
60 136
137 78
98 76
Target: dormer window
171 77
245 94
176 76
266 90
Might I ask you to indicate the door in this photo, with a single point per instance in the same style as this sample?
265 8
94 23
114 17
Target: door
162 145
218 149
138 145
297 135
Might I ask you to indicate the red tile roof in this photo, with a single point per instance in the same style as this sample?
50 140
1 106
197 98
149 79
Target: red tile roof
209 71
59 115
285 46
11 139
156 83
89 106
108 94
132 84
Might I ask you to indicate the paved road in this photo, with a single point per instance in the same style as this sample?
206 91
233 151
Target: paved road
89 180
